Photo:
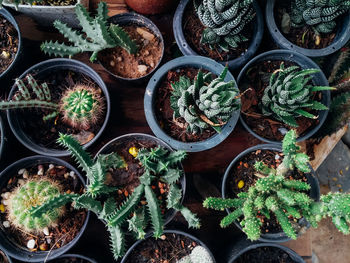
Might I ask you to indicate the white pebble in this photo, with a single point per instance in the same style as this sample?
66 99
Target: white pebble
20 181
48 240
283 131
72 174
51 166
277 157
21 171
6 224
40 170
25 174
142 68
46 231
31 244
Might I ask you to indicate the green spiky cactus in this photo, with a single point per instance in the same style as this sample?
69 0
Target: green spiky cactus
206 103
224 21
99 35
198 255
289 94
321 15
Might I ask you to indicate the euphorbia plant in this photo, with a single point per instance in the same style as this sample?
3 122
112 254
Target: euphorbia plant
285 198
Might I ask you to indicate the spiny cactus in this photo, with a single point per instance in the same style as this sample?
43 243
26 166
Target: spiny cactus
224 21
289 94
198 255
321 15
99 35
80 106
206 103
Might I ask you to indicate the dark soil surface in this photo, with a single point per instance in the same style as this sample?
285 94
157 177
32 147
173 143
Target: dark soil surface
265 255
169 248
305 36
8 43
56 2
257 79
176 128
68 225
45 133
244 171
193 29
118 61
70 260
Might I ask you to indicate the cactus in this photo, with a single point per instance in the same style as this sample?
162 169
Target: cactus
198 255
99 35
320 15
224 21
289 94
206 103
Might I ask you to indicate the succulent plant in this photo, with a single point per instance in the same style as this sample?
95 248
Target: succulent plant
206 103
321 15
198 255
289 94
99 35
224 21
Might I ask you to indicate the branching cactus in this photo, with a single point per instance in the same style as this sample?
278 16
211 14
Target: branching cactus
206 103
198 255
289 95
321 15
224 21
99 35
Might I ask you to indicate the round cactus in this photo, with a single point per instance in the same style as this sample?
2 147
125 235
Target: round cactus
32 194
81 106
198 255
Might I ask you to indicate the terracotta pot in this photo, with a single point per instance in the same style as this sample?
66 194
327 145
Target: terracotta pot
151 7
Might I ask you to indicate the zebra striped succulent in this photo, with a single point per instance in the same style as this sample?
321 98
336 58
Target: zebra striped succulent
289 94
320 14
224 21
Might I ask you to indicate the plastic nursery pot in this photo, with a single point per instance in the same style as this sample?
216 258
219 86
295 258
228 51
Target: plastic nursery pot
139 20
149 101
245 246
44 69
311 179
11 19
45 15
75 256
319 79
176 232
151 7
341 38
112 145
234 63
21 253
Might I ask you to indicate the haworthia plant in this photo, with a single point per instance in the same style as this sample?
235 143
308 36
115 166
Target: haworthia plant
224 21
98 35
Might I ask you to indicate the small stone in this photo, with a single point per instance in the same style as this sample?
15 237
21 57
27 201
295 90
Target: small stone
20 181
46 231
146 53
283 131
31 244
72 174
26 174
21 171
66 175
51 166
6 224
48 240
142 68
119 59
145 34
40 170
5 55
112 63
277 157
152 64
84 137
163 237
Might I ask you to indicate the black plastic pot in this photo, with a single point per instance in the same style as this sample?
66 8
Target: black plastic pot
319 79
12 20
311 179
74 256
112 145
341 38
233 64
244 246
149 100
177 232
3 140
7 257
43 69
136 19
15 250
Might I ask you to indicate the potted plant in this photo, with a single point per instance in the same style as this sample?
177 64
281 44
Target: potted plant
229 32
30 182
61 95
192 103
10 42
130 45
301 101
68 258
172 246
278 197
314 29
151 7
47 11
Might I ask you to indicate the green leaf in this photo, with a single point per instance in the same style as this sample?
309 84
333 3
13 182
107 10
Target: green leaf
86 202
320 88
174 196
302 162
117 241
305 114
171 176
222 204
191 218
138 223
154 211
122 39
230 218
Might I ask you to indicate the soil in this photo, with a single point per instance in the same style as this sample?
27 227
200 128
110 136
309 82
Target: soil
3 258
45 133
169 248
265 255
56 2
305 36
70 260
132 66
193 28
176 128
8 43
244 170
256 80
68 225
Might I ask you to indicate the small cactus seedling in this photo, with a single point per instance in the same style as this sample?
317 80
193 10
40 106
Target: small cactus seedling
198 255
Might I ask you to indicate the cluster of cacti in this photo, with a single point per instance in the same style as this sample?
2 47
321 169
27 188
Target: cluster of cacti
224 21
198 255
80 106
99 35
289 93
206 103
321 15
